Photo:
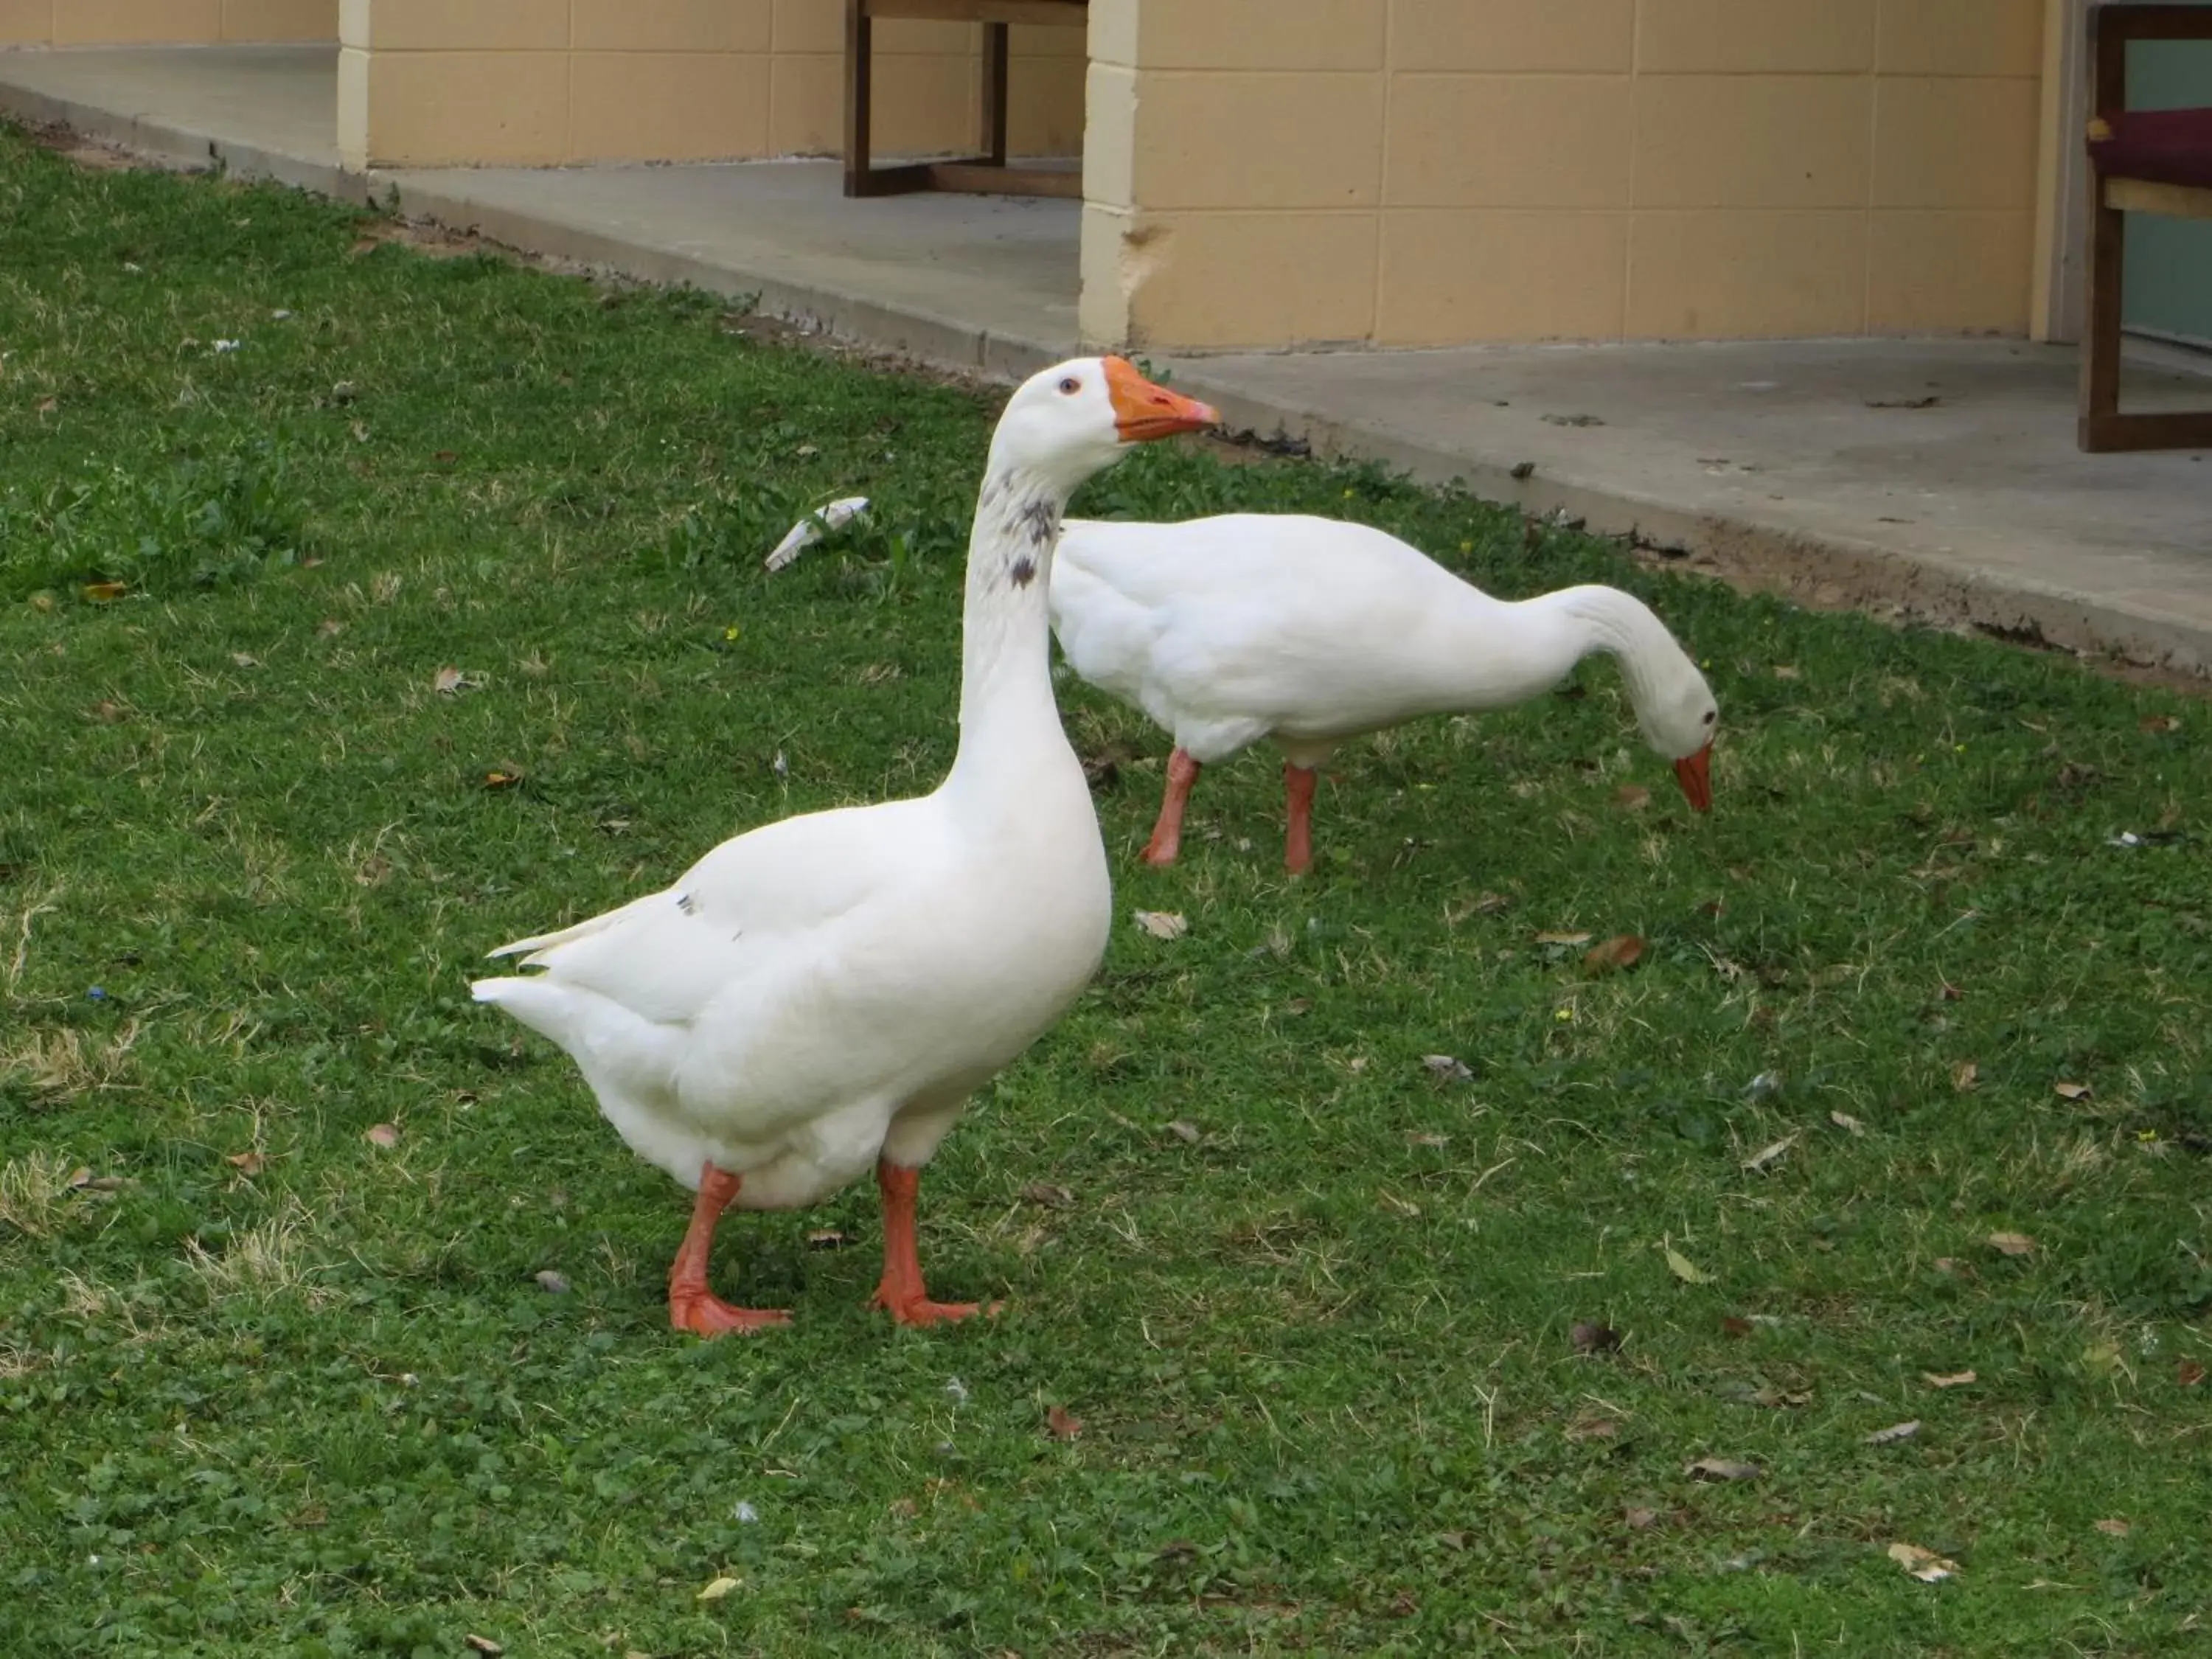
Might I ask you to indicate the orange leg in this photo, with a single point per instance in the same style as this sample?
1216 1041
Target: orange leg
1167 834
1299 792
691 1305
902 1292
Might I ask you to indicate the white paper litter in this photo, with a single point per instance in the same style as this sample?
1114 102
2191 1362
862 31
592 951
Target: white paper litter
813 527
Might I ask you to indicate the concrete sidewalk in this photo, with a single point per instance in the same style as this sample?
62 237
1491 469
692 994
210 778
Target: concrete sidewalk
1934 479
1937 479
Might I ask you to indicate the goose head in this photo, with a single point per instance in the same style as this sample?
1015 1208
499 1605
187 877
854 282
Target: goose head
1676 711
1077 418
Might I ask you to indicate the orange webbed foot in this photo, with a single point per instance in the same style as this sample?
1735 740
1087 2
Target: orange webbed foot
921 1312
703 1314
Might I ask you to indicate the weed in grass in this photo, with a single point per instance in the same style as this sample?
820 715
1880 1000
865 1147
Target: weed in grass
1320 1338
198 522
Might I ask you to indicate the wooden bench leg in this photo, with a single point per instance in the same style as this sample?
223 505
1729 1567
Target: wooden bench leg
2100 334
995 52
859 32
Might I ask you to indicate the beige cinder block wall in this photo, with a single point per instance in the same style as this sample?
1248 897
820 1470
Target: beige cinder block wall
1407 172
440 82
152 22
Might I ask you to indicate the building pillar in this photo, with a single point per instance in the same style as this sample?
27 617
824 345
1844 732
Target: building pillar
1232 173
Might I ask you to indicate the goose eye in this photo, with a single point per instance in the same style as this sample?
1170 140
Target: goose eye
1711 714
1071 386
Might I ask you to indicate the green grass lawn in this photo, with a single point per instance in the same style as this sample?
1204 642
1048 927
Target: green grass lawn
267 1386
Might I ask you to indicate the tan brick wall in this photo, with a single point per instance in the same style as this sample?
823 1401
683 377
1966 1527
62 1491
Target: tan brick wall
564 81
193 23
1575 169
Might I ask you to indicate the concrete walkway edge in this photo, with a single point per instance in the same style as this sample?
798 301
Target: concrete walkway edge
1820 568
1823 570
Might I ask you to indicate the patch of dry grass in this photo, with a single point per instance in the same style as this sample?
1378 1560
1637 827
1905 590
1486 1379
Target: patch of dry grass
35 1190
61 1064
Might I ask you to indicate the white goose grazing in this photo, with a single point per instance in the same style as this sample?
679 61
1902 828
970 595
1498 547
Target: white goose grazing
823 993
1311 631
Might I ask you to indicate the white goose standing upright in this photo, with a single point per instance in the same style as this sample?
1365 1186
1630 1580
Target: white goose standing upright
1313 631
824 992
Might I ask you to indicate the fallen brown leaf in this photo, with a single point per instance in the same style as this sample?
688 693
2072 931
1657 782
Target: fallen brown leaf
1965 1075
1846 1121
1449 1067
1484 906
1632 797
330 627
2114 1527
1589 1336
1721 1468
1893 1433
1060 1424
2012 1243
1563 938
1163 924
1051 1197
1640 1519
1615 955
2152 723
1734 1327
1397 1206
552 1281
482 1644
1924 1565
1185 1131
826 1238
1783 670
1592 1427
1766 1157
500 779
718 1588
384 1134
250 1163
1948 1380
448 680
101 592
2188 1373
2070 1091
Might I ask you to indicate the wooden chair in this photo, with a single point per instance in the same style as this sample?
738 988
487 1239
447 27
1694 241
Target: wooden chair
986 174
2141 162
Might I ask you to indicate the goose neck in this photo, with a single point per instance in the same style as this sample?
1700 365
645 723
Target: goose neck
1007 712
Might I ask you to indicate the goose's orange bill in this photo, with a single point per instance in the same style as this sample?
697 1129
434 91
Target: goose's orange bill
1143 411
1695 773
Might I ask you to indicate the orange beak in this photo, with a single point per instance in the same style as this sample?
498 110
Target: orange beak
1143 411
1695 773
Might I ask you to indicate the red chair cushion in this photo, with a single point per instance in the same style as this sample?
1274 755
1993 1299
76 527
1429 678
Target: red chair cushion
2159 146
